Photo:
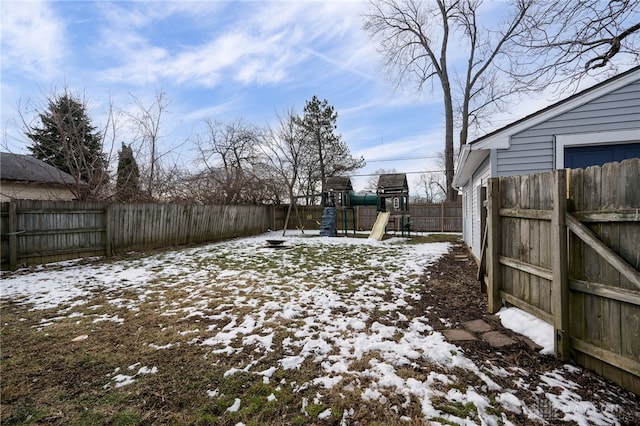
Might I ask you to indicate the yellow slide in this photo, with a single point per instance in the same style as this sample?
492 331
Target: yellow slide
378 228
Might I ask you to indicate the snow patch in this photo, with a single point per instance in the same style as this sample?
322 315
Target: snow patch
526 324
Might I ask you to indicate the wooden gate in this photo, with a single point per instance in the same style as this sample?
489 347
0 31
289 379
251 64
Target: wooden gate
565 246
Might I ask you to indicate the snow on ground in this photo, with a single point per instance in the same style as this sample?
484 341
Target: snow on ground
328 287
539 331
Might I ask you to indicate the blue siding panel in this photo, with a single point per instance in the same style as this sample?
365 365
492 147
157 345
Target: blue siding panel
531 151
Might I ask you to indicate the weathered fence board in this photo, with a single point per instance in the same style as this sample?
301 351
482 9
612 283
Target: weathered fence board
145 226
35 231
444 217
575 265
49 231
441 217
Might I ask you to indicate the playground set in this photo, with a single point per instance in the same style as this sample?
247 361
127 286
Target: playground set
391 200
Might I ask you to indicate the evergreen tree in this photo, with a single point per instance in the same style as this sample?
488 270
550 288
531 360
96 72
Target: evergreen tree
330 155
128 179
68 141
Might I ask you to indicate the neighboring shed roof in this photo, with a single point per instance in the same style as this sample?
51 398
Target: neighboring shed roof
393 183
338 183
25 168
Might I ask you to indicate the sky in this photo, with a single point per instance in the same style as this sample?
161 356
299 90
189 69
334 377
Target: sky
334 312
226 61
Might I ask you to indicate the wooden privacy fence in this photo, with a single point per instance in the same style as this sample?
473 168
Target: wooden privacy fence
36 232
441 217
565 246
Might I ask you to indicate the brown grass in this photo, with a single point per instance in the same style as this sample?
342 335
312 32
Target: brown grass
46 378
49 379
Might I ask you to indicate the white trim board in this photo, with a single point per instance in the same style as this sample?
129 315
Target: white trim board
595 138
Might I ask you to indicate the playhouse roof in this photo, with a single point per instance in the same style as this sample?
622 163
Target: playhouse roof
338 183
393 183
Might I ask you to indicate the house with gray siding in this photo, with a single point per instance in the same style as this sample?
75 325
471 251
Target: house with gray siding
595 126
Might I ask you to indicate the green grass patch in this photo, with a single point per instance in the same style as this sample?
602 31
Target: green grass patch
434 238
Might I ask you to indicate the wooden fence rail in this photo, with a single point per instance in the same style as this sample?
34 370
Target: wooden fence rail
565 246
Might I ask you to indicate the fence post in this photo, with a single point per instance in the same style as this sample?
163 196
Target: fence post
559 285
494 301
13 237
108 227
272 216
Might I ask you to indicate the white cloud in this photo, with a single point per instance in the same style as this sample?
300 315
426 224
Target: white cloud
143 14
33 38
330 31
413 146
235 55
266 49
215 110
142 65
244 57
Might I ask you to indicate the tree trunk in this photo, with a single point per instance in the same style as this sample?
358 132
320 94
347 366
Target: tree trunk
448 139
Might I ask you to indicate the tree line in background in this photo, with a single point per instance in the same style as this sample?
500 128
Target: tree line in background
237 162
527 45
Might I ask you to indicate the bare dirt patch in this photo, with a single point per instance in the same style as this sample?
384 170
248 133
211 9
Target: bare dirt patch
452 297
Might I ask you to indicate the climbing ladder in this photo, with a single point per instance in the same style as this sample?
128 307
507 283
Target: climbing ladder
328 227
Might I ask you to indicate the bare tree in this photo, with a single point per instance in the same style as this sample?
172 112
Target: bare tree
111 132
288 156
567 40
191 187
416 39
372 181
177 184
283 148
431 187
268 189
433 183
230 155
146 121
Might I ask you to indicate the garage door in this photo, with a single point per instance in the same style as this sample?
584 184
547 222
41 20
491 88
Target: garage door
579 157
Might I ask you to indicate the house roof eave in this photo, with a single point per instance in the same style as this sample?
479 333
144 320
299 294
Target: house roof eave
498 142
500 138
469 159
